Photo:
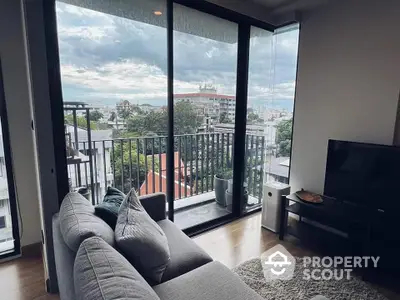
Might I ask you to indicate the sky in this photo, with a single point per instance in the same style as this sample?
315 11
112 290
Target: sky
105 59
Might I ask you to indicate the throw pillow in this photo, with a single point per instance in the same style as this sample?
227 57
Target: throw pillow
141 240
78 222
101 272
109 208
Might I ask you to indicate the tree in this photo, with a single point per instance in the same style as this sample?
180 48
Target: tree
125 156
253 117
95 115
224 118
283 137
112 117
125 109
80 120
186 121
154 121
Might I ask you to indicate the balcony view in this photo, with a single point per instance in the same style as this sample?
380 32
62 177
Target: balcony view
114 82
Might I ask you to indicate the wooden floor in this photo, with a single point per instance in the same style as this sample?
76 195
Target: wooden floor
231 244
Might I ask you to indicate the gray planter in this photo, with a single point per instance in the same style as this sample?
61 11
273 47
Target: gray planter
229 196
220 187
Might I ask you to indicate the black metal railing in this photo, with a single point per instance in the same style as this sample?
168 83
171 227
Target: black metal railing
140 163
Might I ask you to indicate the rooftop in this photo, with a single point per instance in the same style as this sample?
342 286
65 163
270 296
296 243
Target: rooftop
278 166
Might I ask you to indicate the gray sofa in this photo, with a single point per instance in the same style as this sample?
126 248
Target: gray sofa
190 274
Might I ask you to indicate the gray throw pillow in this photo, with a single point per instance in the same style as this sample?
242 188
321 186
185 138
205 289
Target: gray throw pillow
100 272
141 240
78 222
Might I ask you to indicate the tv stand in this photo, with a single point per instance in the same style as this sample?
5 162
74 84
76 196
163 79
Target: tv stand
341 228
340 225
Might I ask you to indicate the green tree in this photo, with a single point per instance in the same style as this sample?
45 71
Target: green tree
130 169
224 118
283 137
80 120
125 109
186 121
253 117
112 117
154 121
95 115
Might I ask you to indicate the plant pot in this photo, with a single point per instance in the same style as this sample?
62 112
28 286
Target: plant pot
229 198
230 186
220 187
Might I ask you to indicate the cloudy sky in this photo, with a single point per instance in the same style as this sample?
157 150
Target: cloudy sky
105 59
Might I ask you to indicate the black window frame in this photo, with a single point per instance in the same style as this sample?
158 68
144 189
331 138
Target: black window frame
9 172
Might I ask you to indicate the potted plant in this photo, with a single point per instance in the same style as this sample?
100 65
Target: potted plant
221 184
229 195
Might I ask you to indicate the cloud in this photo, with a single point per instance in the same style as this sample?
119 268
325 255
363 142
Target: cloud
105 59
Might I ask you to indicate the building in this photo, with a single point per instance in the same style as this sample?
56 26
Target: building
230 128
124 104
277 169
146 108
79 162
210 105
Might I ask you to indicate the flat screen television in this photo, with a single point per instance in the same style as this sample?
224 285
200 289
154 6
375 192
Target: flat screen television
363 174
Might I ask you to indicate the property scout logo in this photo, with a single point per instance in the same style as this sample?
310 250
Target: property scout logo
278 263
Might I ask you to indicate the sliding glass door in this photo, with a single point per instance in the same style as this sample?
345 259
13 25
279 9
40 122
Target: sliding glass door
205 59
113 72
116 61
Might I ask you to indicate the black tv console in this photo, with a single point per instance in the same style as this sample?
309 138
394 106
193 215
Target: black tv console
341 228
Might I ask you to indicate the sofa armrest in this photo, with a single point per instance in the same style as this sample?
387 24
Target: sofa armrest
154 204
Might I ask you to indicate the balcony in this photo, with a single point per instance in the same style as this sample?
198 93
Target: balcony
140 163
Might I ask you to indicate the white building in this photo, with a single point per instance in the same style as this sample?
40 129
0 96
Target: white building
209 103
146 108
101 149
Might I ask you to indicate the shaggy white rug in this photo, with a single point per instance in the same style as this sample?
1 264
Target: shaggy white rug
297 288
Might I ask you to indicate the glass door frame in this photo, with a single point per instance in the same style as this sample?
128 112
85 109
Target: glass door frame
244 24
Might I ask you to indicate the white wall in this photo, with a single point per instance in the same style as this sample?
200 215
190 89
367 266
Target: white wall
17 95
348 82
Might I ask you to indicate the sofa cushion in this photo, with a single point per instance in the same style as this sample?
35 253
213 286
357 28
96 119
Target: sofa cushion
209 282
141 240
64 258
109 208
78 222
100 272
186 255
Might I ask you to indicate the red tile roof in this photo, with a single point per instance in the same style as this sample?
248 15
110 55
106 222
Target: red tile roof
154 187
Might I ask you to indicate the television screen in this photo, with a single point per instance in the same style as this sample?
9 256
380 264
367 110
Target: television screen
364 174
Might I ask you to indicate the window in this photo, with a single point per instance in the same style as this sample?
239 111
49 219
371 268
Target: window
2 222
272 75
113 65
205 59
